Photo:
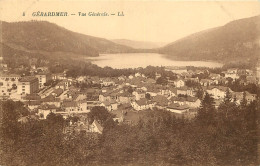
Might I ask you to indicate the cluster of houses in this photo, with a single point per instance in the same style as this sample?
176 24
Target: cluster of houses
126 97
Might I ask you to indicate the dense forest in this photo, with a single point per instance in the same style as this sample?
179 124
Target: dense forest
223 136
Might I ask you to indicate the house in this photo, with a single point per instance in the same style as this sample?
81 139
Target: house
251 80
182 91
193 79
214 76
125 97
79 96
238 96
32 105
193 102
122 78
161 102
217 92
57 92
83 106
107 82
59 76
139 94
108 95
232 73
177 108
9 81
51 100
109 105
95 127
172 91
206 82
153 90
131 77
142 104
179 83
138 74
61 85
45 109
81 79
165 91
119 115
186 91
70 106
28 85
178 100
64 84
232 70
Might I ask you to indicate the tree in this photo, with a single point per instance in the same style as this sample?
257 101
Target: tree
9 129
99 114
162 81
200 93
228 96
207 112
148 96
243 101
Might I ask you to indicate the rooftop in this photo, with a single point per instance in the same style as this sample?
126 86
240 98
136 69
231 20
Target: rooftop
28 79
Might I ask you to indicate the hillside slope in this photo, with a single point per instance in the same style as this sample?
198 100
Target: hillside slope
138 44
45 36
237 40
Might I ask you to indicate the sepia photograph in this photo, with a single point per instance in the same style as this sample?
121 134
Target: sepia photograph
129 83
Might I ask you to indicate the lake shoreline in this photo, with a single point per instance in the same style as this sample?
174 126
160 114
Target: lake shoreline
136 60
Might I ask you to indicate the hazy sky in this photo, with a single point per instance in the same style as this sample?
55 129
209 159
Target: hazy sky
158 21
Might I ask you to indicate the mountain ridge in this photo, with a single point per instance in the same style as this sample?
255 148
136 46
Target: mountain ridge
46 36
236 40
138 44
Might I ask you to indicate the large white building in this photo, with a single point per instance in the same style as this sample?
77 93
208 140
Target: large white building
43 78
8 82
28 85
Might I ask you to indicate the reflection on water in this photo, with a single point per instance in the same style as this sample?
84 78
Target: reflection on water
135 60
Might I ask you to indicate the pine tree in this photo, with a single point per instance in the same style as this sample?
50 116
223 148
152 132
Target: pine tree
244 101
206 113
228 96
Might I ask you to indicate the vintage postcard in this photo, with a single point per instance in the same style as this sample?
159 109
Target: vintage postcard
129 83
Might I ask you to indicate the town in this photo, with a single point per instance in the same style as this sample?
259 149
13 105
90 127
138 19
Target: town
127 96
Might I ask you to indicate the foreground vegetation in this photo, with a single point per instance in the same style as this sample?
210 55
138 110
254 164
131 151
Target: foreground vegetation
223 136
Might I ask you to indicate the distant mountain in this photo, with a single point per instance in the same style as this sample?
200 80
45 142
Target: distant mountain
49 37
238 40
138 44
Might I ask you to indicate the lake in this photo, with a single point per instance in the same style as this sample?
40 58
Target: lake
135 60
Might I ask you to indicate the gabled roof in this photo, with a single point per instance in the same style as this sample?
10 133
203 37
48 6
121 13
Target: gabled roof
222 88
69 104
108 103
35 102
191 99
143 101
99 127
182 99
47 106
58 91
50 98
32 97
160 100
178 106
